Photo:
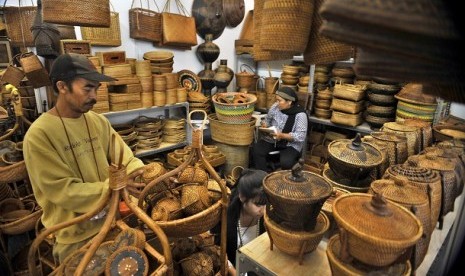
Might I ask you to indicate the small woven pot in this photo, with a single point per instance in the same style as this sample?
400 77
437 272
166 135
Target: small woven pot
194 198
197 264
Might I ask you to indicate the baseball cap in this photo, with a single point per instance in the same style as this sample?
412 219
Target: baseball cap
70 66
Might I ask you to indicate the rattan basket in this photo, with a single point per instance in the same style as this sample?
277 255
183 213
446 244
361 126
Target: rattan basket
347 106
396 146
144 23
353 159
88 13
296 243
373 230
349 91
399 190
340 267
346 119
102 36
234 107
296 197
19 21
240 134
13 173
444 132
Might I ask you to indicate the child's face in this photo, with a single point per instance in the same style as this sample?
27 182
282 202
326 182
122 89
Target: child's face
253 209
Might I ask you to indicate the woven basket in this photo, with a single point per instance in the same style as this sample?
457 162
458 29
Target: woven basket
361 186
19 21
444 132
13 173
197 264
102 36
145 24
412 133
321 49
347 106
34 70
351 92
240 134
376 231
13 75
21 225
354 268
296 243
346 119
396 146
231 112
87 13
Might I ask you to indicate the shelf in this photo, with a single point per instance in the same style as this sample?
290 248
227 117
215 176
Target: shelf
363 128
164 146
128 116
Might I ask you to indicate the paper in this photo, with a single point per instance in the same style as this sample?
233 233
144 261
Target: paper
270 130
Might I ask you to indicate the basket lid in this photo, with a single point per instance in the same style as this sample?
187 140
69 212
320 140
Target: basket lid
449 153
399 190
375 218
414 93
297 185
355 152
431 161
395 126
389 137
412 172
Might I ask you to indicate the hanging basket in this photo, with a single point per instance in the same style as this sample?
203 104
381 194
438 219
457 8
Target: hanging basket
19 21
87 13
110 36
145 24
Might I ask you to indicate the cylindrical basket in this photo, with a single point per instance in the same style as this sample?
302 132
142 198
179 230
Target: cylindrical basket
240 134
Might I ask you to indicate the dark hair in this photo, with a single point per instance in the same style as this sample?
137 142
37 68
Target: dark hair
67 82
250 186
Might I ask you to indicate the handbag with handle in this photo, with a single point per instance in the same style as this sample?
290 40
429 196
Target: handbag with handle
144 23
178 28
102 36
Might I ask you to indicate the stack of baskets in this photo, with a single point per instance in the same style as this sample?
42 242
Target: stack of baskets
160 61
322 107
381 103
348 104
374 235
290 76
342 73
322 76
293 218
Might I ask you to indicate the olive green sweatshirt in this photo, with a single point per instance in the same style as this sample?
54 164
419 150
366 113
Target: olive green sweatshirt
54 163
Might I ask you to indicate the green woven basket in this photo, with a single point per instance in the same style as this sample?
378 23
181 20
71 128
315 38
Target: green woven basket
227 110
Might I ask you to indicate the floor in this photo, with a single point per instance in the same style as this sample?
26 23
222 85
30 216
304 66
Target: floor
431 265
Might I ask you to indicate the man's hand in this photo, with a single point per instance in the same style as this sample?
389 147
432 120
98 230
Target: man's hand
135 183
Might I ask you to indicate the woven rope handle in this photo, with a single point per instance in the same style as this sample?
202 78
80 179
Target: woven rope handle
204 121
148 4
247 66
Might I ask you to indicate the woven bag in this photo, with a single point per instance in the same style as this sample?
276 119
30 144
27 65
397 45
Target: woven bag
19 21
87 13
13 74
178 28
321 49
103 36
282 26
258 53
144 23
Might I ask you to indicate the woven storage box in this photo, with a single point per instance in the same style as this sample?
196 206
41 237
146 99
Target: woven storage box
296 243
19 21
102 36
118 70
373 230
128 88
111 57
347 106
123 97
413 199
296 198
351 92
145 24
234 107
341 267
346 118
240 134
125 106
88 13
81 47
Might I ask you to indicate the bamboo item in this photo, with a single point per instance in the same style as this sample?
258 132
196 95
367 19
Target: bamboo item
240 134
104 36
87 13
144 23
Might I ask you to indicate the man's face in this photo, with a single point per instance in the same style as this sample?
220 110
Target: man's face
81 96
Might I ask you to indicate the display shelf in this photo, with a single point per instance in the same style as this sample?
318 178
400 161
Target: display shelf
164 146
364 128
128 116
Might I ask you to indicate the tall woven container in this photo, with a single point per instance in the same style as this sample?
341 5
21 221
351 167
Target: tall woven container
87 13
235 156
286 25
110 36
259 53
19 21
321 49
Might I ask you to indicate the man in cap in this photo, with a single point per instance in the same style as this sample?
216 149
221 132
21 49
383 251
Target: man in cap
67 153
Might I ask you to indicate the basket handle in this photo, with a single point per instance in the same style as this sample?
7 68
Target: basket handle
204 121
257 83
247 66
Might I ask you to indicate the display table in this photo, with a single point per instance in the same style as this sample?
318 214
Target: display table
256 256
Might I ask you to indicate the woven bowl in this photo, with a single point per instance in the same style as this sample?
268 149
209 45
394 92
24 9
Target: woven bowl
444 132
323 104
289 80
296 243
291 69
159 56
381 99
381 111
378 122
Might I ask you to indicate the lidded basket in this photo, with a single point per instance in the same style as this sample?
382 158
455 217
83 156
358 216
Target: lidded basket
429 181
414 199
296 197
353 159
373 230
